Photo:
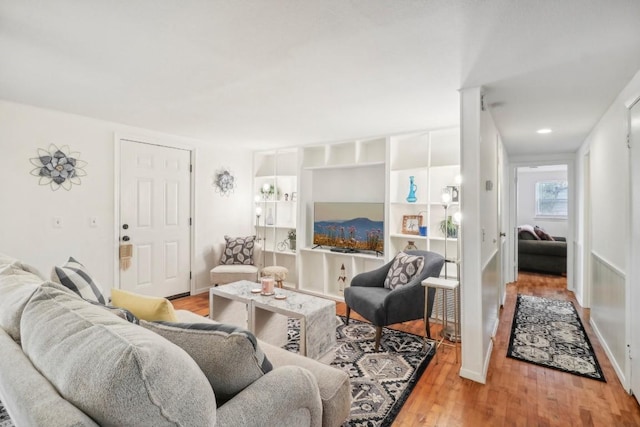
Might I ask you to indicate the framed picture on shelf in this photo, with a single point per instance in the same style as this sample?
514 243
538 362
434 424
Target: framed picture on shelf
411 224
454 192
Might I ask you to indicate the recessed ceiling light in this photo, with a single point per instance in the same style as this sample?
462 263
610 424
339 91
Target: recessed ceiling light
545 130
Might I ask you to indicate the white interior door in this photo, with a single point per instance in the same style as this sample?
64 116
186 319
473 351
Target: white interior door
155 202
634 290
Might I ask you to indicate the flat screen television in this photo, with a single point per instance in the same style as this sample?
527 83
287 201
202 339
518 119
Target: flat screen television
349 226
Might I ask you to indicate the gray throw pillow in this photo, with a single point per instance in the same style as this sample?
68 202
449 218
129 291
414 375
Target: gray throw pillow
75 276
403 269
228 355
117 373
238 250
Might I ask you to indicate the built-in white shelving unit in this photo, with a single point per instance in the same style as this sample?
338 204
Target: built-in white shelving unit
432 158
276 172
369 170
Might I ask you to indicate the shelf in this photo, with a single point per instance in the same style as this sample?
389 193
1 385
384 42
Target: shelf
344 166
271 251
345 254
440 238
409 236
279 169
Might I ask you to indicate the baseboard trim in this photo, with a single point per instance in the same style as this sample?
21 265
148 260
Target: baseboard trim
612 360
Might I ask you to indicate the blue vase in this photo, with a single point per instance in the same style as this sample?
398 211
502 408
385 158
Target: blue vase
411 198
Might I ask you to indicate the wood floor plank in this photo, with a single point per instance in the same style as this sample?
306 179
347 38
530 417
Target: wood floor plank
516 393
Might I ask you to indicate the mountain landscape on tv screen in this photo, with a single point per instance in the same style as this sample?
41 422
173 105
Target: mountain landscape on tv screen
356 233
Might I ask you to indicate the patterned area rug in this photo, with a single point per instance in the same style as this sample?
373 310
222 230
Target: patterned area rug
5 421
380 382
549 333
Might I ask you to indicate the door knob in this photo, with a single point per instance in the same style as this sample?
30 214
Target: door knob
125 238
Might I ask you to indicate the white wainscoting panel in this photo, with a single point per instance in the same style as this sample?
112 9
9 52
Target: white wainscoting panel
608 310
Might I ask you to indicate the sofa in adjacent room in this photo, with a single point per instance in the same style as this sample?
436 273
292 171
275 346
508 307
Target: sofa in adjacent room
541 254
70 362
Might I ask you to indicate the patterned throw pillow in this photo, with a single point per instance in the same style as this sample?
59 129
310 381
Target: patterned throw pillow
543 235
75 276
239 250
228 355
403 269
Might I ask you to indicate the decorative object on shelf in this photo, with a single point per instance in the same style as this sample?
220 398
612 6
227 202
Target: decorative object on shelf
270 192
446 199
286 197
291 235
455 193
411 224
282 246
269 218
411 246
224 182
58 167
422 228
448 228
342 280
411 198
294 196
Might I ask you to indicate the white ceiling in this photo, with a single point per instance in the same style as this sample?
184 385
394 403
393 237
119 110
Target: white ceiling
265 73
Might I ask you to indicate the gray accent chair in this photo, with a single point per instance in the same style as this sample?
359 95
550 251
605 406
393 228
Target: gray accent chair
381 306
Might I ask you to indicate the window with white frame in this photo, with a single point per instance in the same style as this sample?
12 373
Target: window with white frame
551 199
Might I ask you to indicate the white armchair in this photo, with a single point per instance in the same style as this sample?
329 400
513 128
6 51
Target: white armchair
229 273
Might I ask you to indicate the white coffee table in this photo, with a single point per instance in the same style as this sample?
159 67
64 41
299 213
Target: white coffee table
266 316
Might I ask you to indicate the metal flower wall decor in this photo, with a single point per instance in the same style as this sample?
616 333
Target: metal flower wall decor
58 167
224 182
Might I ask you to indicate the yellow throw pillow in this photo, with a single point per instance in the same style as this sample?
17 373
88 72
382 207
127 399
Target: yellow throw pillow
144 307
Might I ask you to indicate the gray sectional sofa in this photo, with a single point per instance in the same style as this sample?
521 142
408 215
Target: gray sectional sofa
542 256
68 362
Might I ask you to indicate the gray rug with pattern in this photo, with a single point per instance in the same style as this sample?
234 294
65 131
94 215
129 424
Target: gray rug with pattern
549 333
5 421
380 382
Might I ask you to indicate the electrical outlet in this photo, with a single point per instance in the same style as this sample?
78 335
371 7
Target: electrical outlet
57 222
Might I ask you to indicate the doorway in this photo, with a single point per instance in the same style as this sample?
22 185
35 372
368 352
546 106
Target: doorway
542 205
154 219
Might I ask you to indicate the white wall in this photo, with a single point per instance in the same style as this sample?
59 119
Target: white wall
609 230
480 235
527 179
26 217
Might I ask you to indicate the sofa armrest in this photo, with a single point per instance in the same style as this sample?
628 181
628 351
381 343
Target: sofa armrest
29 397
287 395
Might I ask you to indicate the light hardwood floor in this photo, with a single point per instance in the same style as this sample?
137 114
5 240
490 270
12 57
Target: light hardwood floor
516 393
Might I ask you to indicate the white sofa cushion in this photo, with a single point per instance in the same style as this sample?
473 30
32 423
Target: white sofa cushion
116 372
228 355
